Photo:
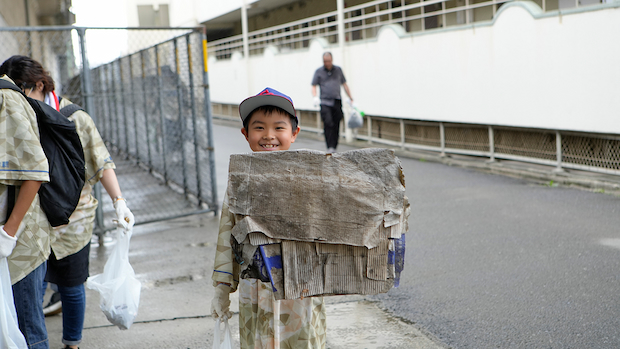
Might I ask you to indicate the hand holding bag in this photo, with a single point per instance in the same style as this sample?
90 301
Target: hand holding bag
227 343
118 287
10 336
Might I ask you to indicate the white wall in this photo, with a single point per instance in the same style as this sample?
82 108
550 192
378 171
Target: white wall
524 69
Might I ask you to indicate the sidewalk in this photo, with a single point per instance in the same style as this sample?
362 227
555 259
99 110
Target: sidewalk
174 259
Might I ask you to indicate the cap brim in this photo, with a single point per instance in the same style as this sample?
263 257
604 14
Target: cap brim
251 103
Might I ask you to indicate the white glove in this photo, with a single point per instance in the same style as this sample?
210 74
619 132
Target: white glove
7 243
317 101
220 305
123 214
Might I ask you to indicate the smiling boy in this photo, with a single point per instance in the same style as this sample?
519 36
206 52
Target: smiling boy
269 124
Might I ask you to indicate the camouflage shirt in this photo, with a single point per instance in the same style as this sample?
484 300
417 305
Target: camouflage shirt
71 238
23 159
225 269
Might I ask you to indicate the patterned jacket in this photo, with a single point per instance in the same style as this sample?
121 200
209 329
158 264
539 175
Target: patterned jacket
22 159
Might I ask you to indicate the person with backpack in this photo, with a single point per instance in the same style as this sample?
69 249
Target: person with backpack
24 230
68 263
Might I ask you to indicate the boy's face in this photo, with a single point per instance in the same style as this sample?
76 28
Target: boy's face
270 132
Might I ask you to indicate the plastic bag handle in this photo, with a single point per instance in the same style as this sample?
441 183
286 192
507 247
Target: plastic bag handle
227 343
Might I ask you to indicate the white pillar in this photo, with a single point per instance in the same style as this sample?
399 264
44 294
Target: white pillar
348 133
244 29
246 45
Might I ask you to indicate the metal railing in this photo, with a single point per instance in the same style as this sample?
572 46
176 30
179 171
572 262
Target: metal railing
150 102
557 148
363 22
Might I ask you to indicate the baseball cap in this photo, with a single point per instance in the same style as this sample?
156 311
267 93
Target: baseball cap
268 96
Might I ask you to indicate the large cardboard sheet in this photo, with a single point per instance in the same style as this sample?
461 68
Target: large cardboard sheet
311 196
325 223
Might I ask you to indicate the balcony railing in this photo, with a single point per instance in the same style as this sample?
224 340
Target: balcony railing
558 148
363 22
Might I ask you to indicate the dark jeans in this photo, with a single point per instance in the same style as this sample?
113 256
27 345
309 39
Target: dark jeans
331 117
28 297
73 308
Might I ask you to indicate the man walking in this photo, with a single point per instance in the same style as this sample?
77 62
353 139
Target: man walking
329 78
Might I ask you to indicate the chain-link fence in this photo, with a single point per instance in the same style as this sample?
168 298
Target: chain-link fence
147 90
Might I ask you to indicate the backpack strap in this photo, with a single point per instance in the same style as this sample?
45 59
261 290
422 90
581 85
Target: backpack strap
11 200
11 86
68 110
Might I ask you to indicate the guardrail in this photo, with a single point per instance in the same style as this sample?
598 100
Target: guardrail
559 148
363 22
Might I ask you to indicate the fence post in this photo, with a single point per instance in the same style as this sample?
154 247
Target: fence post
491 144
209 116
369 128
108 115
126 125
402 134
146 114
193 101
114 112
135 110
161 113
181 117
88 104
442 139
558 152
318 121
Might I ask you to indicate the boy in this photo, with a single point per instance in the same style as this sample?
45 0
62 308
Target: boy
269 124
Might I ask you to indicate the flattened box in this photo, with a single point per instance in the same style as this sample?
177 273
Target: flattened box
338 219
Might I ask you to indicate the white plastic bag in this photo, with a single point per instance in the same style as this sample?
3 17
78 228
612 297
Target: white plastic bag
227 343
118 287
355 118
10 336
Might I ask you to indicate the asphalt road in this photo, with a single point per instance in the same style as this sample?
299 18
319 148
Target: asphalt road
499 262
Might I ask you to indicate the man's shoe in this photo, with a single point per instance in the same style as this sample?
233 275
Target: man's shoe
331 150
54 306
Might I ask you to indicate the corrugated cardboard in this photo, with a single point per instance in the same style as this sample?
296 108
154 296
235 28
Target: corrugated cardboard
331 217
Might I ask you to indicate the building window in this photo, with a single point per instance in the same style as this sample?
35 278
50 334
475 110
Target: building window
153 16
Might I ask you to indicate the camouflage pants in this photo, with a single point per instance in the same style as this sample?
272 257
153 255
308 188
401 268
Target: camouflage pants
265 323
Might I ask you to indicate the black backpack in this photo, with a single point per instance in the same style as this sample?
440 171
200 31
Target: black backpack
68 110
63 149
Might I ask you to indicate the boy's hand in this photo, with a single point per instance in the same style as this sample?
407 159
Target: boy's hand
220 305
7 243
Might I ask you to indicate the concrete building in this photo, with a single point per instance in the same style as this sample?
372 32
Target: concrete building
546 64
52 48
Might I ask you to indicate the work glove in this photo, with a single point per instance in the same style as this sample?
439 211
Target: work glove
317 101
220 305
7 243
123 214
